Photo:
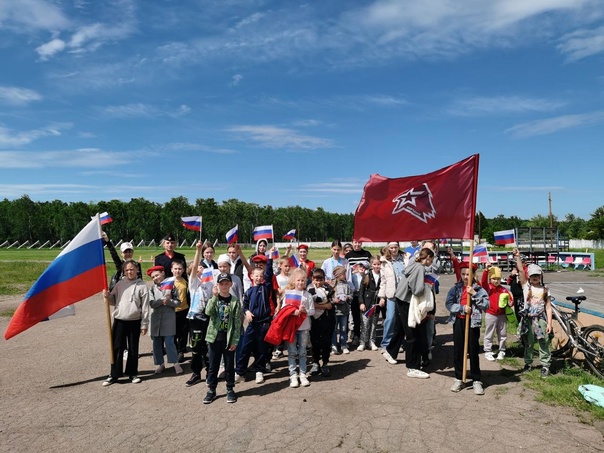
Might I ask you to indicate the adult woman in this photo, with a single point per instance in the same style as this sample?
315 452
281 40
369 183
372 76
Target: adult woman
412 284
391 272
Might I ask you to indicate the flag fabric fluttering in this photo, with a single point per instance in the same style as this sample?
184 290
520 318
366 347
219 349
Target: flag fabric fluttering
290 235
274 255
294 261
371 311
105 218
232 235
167 284
192 223
437 204
207 275
77 273
432 279
263 232
293 297
505 237
480 250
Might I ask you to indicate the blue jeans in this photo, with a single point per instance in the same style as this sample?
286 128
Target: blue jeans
297 348
342 329
388 323
158 350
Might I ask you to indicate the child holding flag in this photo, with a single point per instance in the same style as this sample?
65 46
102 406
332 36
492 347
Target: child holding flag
304 308
495 318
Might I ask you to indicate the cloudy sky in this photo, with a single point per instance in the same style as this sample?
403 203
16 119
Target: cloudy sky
291 103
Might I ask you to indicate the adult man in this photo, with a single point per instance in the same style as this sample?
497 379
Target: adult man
356 256
165 259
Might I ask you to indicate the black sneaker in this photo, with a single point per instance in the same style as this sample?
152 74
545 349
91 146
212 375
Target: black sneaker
527 368
544 372
194 379
231 396
325 372
210 396
109 381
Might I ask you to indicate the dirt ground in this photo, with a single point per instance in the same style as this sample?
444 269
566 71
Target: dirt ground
52 400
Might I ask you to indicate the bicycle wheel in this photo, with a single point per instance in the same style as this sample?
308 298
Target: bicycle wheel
593 337
560 345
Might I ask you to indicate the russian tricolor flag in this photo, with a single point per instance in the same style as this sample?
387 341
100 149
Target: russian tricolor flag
105 218
192 223
290 235
370 312
263 232
432 279
233 234
293 298
275 254
294 261
207 275
480 250
504 237
76 274
167 284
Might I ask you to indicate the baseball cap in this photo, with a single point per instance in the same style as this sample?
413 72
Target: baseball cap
533 269
224 277
126 246
259 259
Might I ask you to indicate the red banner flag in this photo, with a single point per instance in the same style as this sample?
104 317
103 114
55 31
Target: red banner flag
437 204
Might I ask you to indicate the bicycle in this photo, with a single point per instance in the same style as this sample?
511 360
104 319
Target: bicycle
570 337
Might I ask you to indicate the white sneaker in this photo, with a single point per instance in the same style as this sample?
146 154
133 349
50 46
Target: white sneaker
239 378
259 378
361 347
304 382
177 368
373 346
293 382
160 369
334 350
345 350
457 385
478 389
489 356
389 358
418 374
135 380
501 355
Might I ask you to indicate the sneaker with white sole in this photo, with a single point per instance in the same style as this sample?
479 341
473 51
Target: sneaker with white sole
314 370
334 349
259 378
389 358
239 378
478 389
135 379
373 346
277 354
345 350
418 374
457 385
489 356
194 379
361 347
109 381
293 382
160 369
501 355
177 368
304 382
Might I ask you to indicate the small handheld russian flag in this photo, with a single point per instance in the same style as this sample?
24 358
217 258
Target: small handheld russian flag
263 232
167 284
275 254
504 237
293 298
290 235
192 223
233 234
294 261
207 275
370 312
105 218
432 279
480 250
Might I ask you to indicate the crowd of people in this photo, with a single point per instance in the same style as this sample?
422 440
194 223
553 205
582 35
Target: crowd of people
230 309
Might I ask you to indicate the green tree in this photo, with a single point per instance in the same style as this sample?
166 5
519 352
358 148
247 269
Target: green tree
596 224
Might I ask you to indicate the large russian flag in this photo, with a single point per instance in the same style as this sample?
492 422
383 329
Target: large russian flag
192 223
77 273
263 232
504 237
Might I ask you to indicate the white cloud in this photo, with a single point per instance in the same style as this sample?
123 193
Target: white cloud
306 123
582 43
83 157
18 96
235 80
17 190
9 138
21 16
196 147
277 137
141 110
50 48
336 187
551 125
501 105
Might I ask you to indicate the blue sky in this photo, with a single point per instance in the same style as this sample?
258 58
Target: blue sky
288 103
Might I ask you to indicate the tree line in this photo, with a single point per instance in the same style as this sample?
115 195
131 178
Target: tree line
23 220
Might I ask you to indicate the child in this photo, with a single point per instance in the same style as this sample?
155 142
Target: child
323 322
495 319
457 304
127 250
370 286
536 316
130 319
282 281
182 325
163 320
198 321
341 301
306 308
224 312
336 259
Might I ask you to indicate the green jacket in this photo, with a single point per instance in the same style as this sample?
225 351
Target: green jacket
234 325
